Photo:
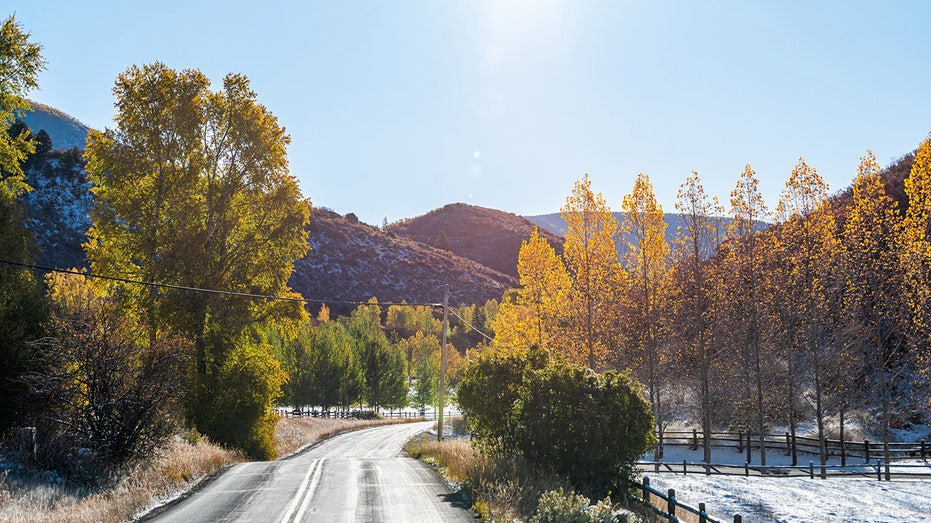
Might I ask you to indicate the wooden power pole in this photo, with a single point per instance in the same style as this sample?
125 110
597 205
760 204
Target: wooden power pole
439 429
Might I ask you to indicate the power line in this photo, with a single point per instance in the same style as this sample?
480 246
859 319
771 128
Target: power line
212 291
469 325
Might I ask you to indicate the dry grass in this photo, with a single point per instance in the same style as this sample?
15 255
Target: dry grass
28 498
179 466
453 457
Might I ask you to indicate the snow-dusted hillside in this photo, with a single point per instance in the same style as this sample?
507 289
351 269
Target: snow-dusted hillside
353 261
58 208
65 130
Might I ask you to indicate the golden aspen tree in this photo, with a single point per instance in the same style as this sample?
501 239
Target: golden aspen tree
748 212
596 274
915 251
542 299
804 270
872 294
514 326
697 240
647 261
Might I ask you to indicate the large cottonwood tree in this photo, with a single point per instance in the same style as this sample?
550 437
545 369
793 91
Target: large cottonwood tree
192 188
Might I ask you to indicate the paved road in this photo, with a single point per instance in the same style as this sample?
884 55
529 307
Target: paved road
358 476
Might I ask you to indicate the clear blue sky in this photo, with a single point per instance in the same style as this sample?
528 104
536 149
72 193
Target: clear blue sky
396 108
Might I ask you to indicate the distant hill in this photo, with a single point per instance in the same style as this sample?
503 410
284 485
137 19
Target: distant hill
66 131
353 261
349 261
487 236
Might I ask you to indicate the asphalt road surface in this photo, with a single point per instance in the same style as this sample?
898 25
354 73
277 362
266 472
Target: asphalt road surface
358 476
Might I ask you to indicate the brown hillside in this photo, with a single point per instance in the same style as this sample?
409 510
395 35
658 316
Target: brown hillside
351 261
487 236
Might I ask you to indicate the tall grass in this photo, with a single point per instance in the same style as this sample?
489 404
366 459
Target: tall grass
43 497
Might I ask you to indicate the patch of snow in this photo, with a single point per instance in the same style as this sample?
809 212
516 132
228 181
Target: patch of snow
796 499
801 499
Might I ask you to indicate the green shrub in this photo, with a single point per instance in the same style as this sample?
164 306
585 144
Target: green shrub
490 388
589 428
236 408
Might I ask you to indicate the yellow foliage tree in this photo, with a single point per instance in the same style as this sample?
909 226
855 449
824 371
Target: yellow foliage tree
596 275
697 240
872 299
647 260
748 210
804 266
541 299
915 239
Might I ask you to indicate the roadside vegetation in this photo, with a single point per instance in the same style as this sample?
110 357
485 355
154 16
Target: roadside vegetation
30 495
544 435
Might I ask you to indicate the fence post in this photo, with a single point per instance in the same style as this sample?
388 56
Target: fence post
843 452
685 469
646 490
746 469
811 469
749 448
702 516
794 450
866 448
879 470
671 505
738 518
922 450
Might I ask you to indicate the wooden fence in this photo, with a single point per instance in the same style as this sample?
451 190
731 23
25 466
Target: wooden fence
669 507
427 414
810 470
793 445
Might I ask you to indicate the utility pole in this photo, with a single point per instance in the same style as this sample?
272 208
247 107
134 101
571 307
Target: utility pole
439 430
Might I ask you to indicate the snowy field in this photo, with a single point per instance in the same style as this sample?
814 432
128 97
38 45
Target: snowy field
795 499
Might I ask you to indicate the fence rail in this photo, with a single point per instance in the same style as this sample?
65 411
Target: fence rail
811 470
669 508
792 445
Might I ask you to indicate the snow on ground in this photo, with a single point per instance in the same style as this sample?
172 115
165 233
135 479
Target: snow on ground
795 499
802 499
